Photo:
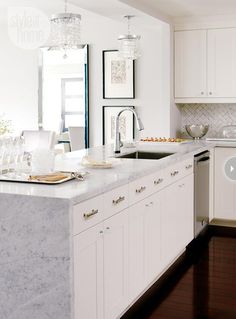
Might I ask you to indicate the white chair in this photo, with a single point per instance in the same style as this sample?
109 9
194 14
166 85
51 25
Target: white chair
77 137
39 139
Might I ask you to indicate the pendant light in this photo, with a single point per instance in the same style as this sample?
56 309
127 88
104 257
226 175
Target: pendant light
65 31
129 43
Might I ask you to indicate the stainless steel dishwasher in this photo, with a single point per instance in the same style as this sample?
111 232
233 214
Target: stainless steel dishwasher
201 191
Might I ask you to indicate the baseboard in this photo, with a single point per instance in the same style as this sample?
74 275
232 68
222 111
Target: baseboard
223 222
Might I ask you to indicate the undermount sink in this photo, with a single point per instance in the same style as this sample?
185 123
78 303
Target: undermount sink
145 155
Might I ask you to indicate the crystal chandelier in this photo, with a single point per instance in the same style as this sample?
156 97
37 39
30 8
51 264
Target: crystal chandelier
129 43
65 31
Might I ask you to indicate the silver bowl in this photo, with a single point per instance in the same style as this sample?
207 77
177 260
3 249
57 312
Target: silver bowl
196 131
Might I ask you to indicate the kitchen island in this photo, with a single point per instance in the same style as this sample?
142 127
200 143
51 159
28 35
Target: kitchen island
40 225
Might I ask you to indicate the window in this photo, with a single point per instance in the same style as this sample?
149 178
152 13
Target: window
73 102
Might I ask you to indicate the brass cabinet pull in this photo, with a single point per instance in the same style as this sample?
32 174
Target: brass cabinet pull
90 214
174 173
141 189
118 200
189 166
160 180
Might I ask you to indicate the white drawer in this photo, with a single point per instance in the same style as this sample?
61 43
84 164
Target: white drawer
87 214
187 166
174 172
140 189
116 200
179 170
159 180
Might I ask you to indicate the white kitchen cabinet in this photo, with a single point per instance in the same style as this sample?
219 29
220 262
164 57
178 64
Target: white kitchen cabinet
117 259
224 188
205 66
222 62
115 265
88 274
101 269
190 63
177 225
144 244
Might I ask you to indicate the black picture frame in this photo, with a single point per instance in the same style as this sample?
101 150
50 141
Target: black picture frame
123 86
108 126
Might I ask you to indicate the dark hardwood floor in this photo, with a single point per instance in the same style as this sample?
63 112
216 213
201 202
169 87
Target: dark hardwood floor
202 288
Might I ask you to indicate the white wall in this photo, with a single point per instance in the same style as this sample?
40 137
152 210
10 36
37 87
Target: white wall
19 78
18 83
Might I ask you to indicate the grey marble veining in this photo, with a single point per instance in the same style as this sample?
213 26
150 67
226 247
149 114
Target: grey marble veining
35 252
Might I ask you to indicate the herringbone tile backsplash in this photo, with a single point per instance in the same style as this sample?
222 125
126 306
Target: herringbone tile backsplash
216 115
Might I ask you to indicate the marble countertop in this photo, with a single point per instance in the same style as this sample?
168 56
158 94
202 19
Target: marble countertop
99 181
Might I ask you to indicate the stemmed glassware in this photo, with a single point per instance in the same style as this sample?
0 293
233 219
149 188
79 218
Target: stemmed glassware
11 156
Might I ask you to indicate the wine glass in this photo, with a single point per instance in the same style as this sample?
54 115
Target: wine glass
2 154
7 158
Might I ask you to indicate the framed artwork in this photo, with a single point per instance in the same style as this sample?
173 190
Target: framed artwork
118 76
127 129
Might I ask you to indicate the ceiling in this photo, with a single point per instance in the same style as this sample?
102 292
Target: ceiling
165 10
186 8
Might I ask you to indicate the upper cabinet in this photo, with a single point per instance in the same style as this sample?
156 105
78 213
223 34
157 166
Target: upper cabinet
205 66
190 64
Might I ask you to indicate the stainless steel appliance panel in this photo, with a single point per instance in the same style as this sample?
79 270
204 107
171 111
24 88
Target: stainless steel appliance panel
201 191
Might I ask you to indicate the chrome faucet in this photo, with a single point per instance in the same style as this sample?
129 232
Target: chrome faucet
139 126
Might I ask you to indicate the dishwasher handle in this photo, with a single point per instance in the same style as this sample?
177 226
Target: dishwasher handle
203 159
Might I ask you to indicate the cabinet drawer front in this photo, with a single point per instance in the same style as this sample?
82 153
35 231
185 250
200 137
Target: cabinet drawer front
174 172
159 180
116 200
87 214
179 170
187 167
140 189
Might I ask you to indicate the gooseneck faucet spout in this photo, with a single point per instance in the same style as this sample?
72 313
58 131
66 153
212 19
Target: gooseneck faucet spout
139 126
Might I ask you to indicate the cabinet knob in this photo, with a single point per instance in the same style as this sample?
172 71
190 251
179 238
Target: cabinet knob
160 180
118 200
202 93
90 214
140 190
210 93
174 173
188 166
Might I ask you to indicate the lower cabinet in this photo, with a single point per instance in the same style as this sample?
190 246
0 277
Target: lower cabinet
177 224
116 260
144 244
101 269
115 265
224 188
88 274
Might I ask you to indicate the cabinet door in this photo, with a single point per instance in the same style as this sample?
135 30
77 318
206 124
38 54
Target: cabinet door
190 63
115 265
153 237
222 63
170 223
177 225
144 244
186 218
224 189
88 274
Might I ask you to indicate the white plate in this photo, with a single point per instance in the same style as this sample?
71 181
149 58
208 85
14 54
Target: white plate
90 163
